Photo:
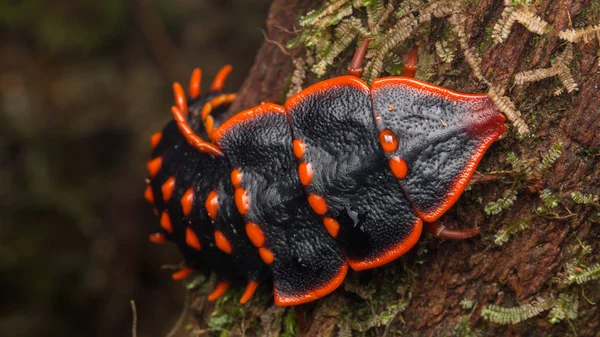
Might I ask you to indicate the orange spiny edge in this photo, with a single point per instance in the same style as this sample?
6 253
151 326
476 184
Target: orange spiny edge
250 289
392 253
325 86
212 204
255 234
165 222
157 238
313 294
167 188
193 139
148 195
155 139
317 203
154 166
187 201
222 242
180 99
191 239
182 273
355 68
219 81
220 289
461 181
428 87
206 110
195 81
209 125
217 102
410 67
266 255
245 116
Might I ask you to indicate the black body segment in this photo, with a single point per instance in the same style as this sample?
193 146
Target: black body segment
197 173
441 136
349 170
343 176
306 262
202 173
229 222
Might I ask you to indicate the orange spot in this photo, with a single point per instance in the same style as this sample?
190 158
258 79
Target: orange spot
195 81
155 139
332 226
157 238
219 81
187 201
317 203
165 222
255 234
182 273
299 147
191 239
388 140
167 188
399 167
313 294
242 201
211 204
180 99
154 166
266 255
219 290
222 242
305 172
236 177
148 195
392 253
250 289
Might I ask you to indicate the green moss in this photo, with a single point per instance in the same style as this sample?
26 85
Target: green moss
289 323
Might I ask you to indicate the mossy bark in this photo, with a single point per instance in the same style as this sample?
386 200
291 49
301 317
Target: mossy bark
476 269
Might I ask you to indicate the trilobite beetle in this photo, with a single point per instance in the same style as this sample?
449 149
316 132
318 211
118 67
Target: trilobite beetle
342 176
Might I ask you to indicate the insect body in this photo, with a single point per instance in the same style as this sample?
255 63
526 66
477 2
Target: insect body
342 176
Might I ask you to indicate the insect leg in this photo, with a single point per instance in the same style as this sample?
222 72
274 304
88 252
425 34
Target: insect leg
440 231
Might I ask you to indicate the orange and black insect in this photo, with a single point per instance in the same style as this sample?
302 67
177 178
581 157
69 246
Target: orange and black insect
344 175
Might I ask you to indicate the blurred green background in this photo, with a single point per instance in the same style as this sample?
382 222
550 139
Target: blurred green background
83 85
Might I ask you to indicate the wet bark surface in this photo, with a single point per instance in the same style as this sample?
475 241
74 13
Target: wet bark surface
521 269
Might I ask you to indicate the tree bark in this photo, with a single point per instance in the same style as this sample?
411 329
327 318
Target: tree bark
437 275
